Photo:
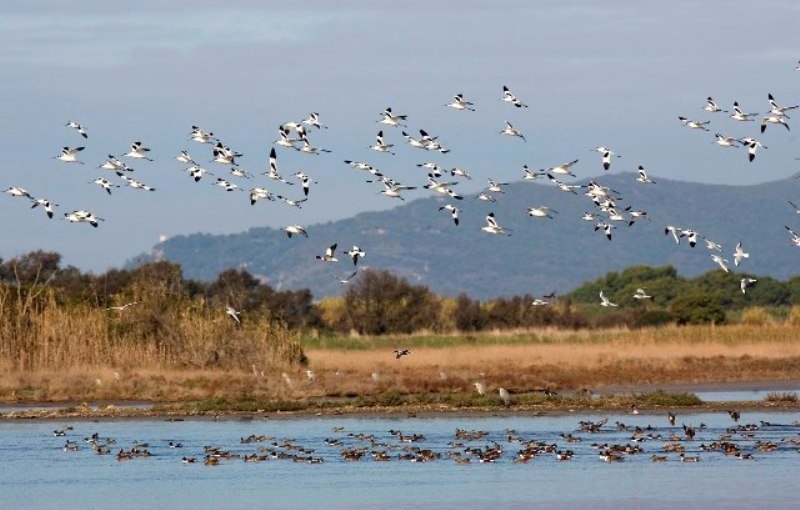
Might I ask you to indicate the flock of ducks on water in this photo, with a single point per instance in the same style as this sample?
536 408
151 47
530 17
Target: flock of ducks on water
295 136
670 442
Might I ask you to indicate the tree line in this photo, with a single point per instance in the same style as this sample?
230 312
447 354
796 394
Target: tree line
379 302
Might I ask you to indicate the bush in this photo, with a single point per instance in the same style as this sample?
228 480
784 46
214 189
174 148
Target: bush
755 316
653 318
698 308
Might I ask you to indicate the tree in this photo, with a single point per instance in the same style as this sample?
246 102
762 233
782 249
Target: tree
697 307
380 302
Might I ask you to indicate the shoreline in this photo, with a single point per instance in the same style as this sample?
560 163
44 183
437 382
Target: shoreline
613 399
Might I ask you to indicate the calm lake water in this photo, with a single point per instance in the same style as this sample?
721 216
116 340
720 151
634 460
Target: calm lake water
36 472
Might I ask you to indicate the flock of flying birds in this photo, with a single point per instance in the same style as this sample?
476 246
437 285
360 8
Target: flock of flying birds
295 136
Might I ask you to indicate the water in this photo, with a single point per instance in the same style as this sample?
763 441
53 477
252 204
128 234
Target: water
37 473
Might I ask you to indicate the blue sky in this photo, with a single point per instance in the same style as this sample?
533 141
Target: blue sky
614 73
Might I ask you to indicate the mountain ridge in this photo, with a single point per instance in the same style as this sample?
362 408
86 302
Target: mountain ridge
419 242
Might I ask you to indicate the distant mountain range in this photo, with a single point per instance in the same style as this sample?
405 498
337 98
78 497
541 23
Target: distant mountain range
421 243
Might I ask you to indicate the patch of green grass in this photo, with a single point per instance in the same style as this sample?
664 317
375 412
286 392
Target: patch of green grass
662 398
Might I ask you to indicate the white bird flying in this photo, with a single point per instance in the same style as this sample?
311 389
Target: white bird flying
305 181
643 178
197 172
201 136
723 263
492 227
70 155
138 151
774 119
669 229
133 183
607 229
746 282
725 141
122 308
541 212
531 175
184 157
694 124
795 237
345 279
459 103
712 107
330 254
508 97
741 116
390 119
105 184
283 138
273 173
233 313
775 109
641 294
295 230
355 254
380 145
495 186
257 194
313 120
46 205
77 127
739 254
454 211
114 164
460 172
604 301
292 203
563 168
226 185
16 191
711 245
82 216
512 131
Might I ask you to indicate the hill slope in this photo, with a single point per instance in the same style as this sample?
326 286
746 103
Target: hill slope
422 244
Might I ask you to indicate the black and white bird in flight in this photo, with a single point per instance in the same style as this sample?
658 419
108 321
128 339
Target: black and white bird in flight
453 210
233 313
305 181
46 205
355 253
345 279
82 216
744 283
292 203
774 119
330 254
391 119
778 110
77 127
741 116
492 227
399 353
459 103
512 131
16 191
508 97
313 120
712 107
694 124
295 230
604 301
105 184
643 178
257 194
138 151
133 183
70 155
380 145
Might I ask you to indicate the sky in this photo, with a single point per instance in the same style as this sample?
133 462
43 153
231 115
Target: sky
615 73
